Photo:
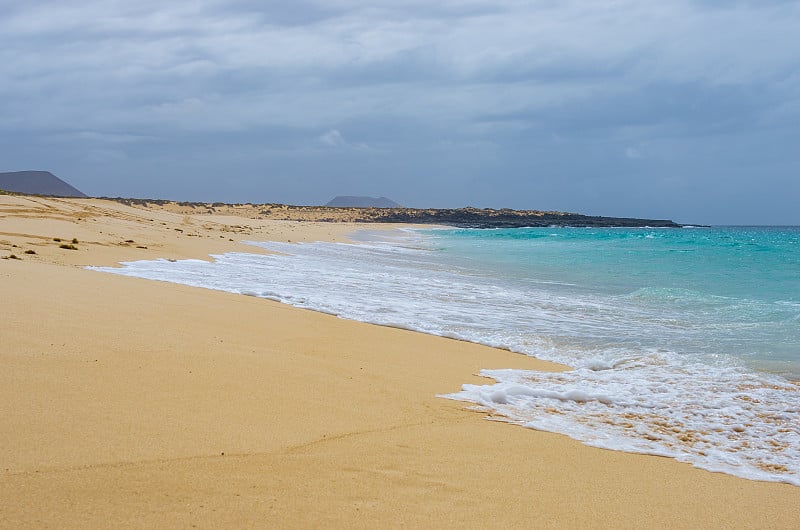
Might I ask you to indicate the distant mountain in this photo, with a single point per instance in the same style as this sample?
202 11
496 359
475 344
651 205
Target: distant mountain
37 183
350 201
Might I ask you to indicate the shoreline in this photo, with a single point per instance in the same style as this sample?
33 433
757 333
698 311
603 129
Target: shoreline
310 277
121 396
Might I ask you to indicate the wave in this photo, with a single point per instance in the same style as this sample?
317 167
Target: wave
644 378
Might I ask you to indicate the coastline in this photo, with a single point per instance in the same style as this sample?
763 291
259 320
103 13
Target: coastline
121 396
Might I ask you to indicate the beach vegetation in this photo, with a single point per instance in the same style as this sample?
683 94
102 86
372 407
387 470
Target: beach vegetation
13 256
29 251
74 240
68 246
57 239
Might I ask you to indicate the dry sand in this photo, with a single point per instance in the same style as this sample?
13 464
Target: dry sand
131 403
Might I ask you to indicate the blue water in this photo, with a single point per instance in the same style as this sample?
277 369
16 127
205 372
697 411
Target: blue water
682 342
726 291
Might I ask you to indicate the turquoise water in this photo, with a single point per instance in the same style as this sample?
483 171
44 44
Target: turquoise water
725 291
682 343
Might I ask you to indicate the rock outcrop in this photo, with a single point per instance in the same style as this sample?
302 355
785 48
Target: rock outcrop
506 218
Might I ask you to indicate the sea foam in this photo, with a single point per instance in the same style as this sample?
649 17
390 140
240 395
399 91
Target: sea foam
640 381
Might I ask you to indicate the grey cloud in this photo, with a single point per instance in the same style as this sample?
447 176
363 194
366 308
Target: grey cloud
472 96
665 109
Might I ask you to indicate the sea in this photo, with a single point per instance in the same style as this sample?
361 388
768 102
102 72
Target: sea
683 343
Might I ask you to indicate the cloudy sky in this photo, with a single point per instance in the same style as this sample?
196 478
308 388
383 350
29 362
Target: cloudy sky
687 109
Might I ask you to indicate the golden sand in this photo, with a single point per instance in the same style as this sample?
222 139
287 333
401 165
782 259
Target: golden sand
132 403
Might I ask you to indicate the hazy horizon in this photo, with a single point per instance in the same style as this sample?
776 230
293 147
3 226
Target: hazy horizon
688 111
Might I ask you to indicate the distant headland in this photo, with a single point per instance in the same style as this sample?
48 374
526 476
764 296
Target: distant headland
352 201
460 217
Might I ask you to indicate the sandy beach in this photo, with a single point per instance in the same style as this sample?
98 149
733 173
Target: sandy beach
129 403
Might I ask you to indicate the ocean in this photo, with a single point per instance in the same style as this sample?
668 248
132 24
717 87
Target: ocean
682 343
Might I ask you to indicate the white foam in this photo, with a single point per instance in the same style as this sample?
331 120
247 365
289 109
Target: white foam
627 393
722 420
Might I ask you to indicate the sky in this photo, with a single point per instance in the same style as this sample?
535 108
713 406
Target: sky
686 110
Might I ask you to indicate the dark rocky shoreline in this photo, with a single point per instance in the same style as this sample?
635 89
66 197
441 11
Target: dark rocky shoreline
506 218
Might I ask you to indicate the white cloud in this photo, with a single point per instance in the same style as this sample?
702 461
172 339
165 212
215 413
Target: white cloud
333 138
633 153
